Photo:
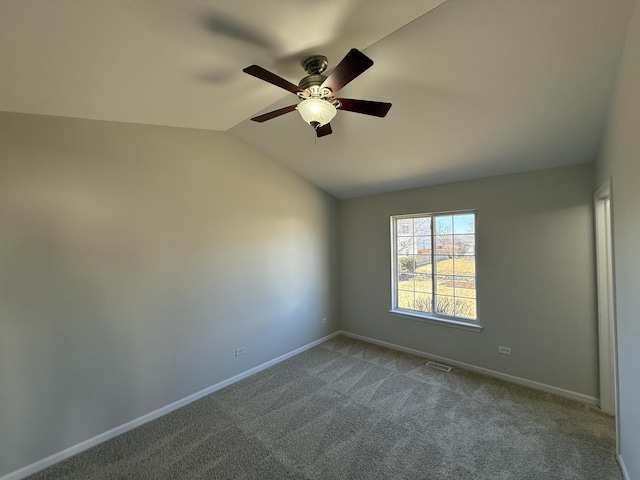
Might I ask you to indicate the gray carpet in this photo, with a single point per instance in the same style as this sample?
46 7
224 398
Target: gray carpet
351 410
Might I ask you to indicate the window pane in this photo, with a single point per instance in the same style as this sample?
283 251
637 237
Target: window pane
444 245
464 265
443 264
444 285
464 245
423 283
424 302
424 267
422 226
465 286
406 281
406 263
404 227
423 244
445 305
444 224
464 223
466 308
405 300
405 245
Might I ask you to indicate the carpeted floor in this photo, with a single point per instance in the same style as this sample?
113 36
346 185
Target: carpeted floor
351 410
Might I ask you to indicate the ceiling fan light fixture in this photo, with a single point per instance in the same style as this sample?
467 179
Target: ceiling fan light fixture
316 112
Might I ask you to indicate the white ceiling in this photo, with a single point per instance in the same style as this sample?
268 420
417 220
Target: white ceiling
479 87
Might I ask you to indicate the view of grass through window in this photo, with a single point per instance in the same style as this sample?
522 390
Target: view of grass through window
435 264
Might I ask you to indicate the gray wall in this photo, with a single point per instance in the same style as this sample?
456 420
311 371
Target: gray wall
620 160
536 280
133 261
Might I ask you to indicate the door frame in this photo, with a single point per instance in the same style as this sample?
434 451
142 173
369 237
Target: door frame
607 332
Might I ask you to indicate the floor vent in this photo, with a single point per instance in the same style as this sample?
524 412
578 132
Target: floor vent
439 366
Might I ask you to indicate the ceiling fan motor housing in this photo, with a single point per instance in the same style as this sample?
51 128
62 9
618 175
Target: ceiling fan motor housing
314 80
314 66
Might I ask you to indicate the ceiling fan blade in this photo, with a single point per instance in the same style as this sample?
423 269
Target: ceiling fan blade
368 107
219 24
272 78
324 130
276 113
353 64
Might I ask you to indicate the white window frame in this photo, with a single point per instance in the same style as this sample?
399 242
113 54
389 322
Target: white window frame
432 317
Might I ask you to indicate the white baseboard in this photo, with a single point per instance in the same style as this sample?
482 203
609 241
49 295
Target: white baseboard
623 467
580 397
114 432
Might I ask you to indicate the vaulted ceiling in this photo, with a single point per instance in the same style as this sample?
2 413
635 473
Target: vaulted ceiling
479 87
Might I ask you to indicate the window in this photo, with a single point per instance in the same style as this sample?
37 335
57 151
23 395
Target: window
434 266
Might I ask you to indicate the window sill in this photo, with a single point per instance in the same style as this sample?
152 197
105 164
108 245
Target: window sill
445 322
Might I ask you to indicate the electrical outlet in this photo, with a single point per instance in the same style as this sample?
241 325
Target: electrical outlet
240 351
324 320
504 350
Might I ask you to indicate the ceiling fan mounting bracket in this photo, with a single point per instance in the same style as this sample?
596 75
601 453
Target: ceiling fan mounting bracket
315 64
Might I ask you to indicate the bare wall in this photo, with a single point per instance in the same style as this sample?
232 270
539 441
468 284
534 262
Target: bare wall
620 160
536 283
133 261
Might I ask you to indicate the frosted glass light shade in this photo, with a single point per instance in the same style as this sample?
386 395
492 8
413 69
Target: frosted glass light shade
316 112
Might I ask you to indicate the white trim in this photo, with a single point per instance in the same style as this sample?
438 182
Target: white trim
114 432
607 323
604 190
580 397
606 299
442 321
623 467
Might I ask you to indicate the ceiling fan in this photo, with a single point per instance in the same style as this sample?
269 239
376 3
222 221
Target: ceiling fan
317 92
